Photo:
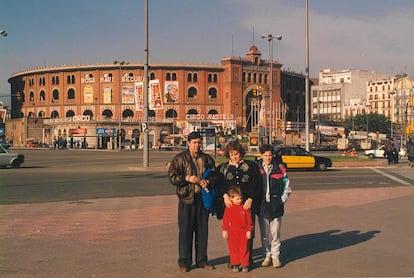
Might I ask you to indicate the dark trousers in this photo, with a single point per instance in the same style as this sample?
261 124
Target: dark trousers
193 225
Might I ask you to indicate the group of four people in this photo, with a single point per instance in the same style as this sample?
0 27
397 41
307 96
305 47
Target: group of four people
244 189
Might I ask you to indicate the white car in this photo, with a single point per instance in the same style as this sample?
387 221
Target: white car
379 153
10 159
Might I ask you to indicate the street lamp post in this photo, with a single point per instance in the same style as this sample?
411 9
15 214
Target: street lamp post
270 38
120 63
392 93
235 117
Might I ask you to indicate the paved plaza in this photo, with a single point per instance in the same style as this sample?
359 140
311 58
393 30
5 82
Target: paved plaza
363 232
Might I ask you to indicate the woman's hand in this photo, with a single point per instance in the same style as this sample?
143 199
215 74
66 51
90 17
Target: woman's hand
227 201
225 234
248 203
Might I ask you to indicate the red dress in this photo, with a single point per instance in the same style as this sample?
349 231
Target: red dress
237 221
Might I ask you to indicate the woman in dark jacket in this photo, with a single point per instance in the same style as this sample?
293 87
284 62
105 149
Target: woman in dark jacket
244 174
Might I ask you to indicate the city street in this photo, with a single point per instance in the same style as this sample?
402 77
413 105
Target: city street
85 213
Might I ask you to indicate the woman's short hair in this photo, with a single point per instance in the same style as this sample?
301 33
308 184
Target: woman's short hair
234 146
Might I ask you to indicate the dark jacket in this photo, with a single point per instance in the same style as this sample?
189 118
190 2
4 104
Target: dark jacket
247 177
182 167
279 190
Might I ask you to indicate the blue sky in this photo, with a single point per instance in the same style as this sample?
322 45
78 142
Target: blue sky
375 35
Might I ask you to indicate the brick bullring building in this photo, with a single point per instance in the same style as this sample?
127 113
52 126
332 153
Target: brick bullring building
96 106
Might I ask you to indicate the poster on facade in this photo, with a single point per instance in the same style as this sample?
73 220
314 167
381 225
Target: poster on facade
171 92
128 94
88 94
3 115
139 96
155 98
107 95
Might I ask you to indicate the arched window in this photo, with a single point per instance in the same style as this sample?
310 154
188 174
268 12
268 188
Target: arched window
168 76
107 113
70 113
54 114
192 92
55 94
31 96
195 77
174 76
209 78
152 76
212 93
192 112
171 113
88 113
249 77
151 113
127 113
189 77
213 112
215 78
71 93
42 95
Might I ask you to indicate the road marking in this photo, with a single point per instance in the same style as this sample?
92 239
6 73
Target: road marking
391 177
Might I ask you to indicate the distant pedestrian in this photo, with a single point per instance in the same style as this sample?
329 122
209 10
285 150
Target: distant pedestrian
237 229
410 152
389 152
396 145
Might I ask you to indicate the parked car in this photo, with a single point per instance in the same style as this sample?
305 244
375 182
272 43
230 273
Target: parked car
299 158
4 144
379 152
10 159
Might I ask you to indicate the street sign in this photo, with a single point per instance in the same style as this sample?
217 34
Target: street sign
144 127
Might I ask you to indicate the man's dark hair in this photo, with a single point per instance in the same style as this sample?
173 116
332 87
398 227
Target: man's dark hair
194 135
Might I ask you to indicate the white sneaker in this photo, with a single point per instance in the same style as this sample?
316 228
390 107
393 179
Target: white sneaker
266 262
276 263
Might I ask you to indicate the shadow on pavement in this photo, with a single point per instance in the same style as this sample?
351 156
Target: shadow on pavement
307 245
